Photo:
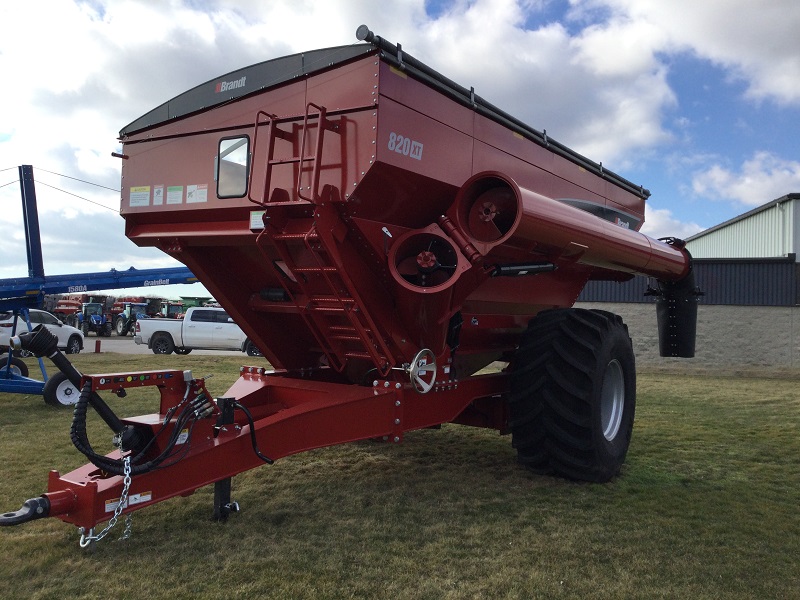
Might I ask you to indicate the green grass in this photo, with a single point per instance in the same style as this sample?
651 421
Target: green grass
706 507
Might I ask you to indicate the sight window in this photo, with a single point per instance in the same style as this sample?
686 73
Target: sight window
232 167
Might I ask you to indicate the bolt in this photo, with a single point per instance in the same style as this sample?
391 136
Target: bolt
396 439
397 386
397 421
375 383
386 384
397 403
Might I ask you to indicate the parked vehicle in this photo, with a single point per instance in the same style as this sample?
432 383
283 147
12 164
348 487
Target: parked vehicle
70 339
93 318
125 321
202 328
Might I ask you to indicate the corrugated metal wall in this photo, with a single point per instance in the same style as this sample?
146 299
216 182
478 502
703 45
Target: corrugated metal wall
751 282
770 232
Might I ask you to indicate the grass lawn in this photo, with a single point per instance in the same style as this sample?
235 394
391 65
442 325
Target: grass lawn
707 506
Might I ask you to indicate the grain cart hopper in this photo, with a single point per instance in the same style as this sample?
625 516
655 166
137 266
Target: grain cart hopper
382 234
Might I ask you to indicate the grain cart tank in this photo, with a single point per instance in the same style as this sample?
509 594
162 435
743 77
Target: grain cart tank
382 234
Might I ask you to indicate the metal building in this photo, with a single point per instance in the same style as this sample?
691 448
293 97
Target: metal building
770 231
750 260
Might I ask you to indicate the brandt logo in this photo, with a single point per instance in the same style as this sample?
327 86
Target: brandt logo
226 86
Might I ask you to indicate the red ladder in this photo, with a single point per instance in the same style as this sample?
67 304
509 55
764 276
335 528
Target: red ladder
329 305
315 158
328 301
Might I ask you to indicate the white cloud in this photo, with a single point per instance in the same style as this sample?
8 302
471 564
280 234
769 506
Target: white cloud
760 179
755 41
660 222
607 110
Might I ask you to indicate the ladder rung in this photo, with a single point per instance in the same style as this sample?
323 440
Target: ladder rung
315 270
330 299
288 161
347 331
296 236
366 355
327 309
346 338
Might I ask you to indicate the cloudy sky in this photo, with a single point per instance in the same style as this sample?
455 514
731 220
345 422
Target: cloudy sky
698 101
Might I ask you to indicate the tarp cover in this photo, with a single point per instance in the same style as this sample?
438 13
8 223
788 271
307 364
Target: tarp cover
243 82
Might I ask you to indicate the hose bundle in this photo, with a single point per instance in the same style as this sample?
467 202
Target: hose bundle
193 410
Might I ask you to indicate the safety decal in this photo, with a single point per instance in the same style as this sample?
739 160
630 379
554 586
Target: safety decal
158 195
175 194
257 220
197 193
111 505
182 437
140 196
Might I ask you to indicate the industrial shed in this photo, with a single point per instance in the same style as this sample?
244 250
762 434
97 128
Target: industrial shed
748 270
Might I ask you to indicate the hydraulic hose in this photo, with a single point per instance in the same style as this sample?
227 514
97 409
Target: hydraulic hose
196 409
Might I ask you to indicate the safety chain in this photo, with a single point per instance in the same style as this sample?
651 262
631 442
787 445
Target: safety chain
88 538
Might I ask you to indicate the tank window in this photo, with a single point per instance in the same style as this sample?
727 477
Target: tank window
232 167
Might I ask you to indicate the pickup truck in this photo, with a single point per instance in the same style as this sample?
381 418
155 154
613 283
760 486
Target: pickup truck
202 328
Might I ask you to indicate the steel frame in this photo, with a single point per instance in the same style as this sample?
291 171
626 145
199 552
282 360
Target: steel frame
290 416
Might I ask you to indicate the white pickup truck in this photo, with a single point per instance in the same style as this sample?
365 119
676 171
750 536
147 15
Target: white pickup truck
202 329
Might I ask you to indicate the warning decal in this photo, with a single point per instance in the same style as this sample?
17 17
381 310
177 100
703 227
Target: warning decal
197 193
111 505
140 196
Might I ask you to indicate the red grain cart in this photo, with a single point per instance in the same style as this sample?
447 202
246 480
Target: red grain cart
382 234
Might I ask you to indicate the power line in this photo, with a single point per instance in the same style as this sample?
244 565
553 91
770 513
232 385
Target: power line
76 179
9 183
7 169
76 195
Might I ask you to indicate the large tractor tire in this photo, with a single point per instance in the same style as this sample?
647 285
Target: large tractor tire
572 394
58 391
120 328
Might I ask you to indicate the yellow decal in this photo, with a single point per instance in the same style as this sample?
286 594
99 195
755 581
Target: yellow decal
140 196
397 71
